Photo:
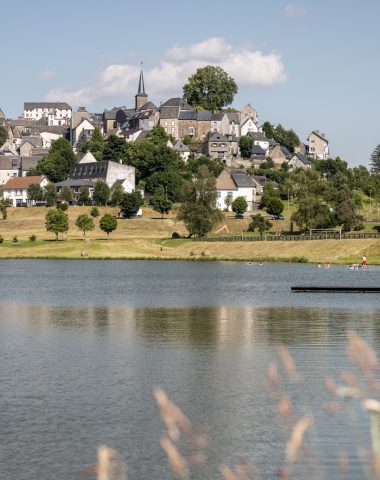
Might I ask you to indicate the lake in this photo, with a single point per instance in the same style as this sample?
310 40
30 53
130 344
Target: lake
83 343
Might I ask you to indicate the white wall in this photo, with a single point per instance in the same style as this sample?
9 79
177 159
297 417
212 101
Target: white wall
247 193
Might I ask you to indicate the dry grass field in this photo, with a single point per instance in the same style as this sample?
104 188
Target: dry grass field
149 237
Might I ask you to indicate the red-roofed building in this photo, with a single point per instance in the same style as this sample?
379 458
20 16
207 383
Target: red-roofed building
17 189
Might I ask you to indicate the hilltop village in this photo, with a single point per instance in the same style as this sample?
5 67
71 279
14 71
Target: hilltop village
199 165
191 133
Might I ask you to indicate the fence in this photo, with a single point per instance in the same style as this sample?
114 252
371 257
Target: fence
274 238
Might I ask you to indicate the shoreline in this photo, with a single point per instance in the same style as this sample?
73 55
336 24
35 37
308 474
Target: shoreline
339 252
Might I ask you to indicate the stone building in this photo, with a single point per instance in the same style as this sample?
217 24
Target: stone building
318 145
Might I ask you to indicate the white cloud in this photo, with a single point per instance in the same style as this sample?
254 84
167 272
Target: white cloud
245 65
47 75
292 10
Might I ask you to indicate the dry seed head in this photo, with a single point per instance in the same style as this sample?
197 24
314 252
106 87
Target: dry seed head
272 372
332 407
294 443
343 462
178 463
349 378
110 466
347 392
372 405
288 362
285 406
361 353
227 473
173 417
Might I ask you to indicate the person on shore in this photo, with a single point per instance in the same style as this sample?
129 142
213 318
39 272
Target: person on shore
327 265
364 261
318 266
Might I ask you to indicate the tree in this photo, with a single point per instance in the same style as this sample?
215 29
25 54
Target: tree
227 202
85 223
114 149
94 212
101 193
268 194
108 224
57 163
95 145
268 163
198 210
131 204
375 159
35 192
275 206
210 88
66 194
3 135
239 205
57 221
50 195
82 143
84 197
215 167
268 130
158 135
117 195
245 145
160 202
259 222
4 204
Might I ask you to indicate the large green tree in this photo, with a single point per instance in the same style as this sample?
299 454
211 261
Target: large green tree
35 192
95 145
131 204
210 88
57 163
57 221
115 149
198 210
239 205
50 195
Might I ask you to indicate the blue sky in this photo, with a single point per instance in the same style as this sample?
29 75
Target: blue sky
306 64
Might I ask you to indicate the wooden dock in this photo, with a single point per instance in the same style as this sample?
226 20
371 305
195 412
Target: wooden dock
337 289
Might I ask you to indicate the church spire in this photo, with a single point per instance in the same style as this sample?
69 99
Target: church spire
141 98
141 90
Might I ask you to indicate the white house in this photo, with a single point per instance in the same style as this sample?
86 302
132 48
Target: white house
86 127
261 140
17 189
55 113
232 184
249 126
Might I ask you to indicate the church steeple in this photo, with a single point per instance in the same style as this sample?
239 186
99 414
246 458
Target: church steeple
141 98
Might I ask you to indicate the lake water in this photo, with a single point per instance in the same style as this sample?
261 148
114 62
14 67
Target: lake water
83 343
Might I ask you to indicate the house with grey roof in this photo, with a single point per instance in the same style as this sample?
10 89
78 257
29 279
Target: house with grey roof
299 161
318 145
169 115
220 146
260 139
279 154
235 183
183 150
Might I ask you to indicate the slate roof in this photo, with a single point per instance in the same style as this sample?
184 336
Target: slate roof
181 147
33 139
23 182
172 107
89 170
259 136
10 162
242 179
217 116
257 151
196 116
286 152
75 183
233 117
59 105
304 160
148 106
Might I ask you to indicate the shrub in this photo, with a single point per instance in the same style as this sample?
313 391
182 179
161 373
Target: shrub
176 235
32 238
15 239
358 226
63 207
1 239
94 212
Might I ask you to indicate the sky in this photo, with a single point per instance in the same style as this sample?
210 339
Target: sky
308 64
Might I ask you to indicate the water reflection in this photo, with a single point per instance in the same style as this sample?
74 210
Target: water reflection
215 326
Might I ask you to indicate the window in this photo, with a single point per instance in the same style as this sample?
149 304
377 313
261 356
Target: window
172 122
191 131
173 129
230 194
219 194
